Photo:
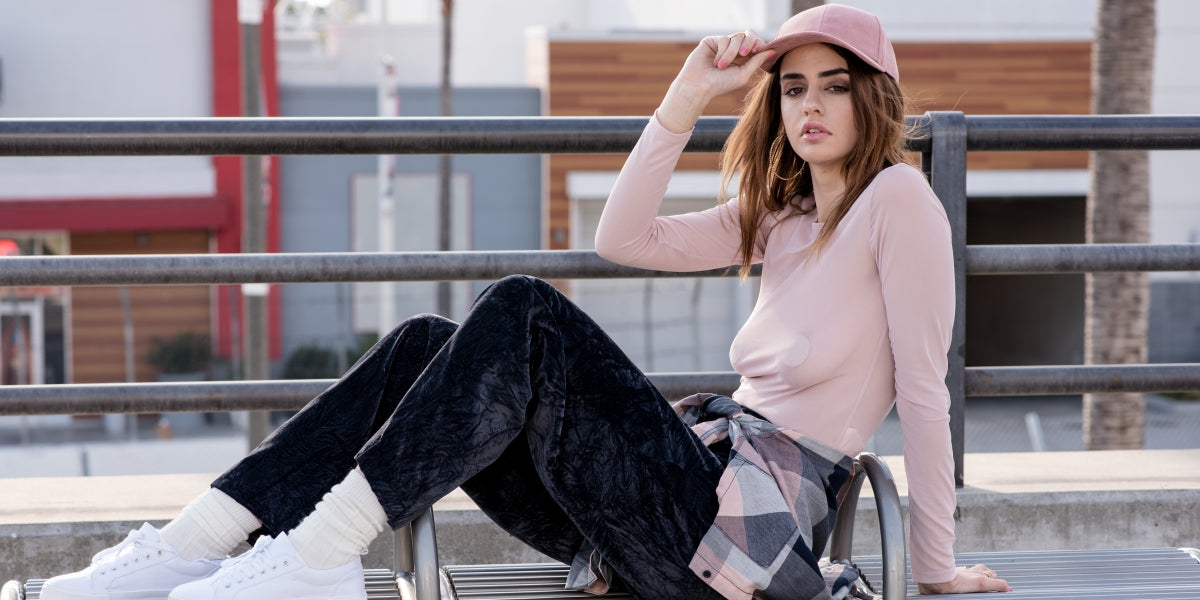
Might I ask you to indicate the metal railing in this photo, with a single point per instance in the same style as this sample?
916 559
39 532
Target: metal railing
942 138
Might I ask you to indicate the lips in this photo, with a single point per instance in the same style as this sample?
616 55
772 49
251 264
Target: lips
812 131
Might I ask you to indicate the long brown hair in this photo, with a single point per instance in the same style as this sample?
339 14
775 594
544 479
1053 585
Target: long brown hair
772 175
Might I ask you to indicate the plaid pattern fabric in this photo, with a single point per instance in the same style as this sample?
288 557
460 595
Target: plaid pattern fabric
844 580
778 504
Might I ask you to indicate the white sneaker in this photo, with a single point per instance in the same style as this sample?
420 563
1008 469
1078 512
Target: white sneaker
139 568
272 570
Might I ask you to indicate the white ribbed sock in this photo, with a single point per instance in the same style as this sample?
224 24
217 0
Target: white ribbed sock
341 526
211 526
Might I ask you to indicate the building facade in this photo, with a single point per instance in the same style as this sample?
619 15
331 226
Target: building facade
125 59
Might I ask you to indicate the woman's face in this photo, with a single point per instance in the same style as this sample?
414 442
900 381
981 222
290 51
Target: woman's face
815 102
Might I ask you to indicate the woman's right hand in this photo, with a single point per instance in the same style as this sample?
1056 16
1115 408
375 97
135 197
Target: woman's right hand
718 65
978 578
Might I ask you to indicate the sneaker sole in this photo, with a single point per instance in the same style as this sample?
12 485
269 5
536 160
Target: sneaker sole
76 595
318 597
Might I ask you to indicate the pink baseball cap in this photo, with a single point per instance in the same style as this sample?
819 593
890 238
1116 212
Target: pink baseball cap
851 28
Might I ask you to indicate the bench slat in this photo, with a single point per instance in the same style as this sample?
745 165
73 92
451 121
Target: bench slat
1144 573
1147 573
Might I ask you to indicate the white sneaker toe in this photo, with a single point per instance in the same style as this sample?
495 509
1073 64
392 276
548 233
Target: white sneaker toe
139 568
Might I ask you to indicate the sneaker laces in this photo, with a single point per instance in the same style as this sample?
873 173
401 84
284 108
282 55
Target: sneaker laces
133 539
227 563
136 540
246 566
139 548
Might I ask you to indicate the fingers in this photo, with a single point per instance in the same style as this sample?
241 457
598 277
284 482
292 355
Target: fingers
757 60
995 584
983 570
718 65
991 584
731 49
987 580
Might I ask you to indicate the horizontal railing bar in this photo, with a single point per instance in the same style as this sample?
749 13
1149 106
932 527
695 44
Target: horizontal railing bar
176 269
208 136
192 396
1083 132
325 135
1081 258
1081 379
292 394
221 396
528 135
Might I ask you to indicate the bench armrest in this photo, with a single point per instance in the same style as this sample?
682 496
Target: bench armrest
416 559
891 523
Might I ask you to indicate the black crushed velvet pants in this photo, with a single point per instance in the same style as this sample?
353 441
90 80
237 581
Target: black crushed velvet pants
533 411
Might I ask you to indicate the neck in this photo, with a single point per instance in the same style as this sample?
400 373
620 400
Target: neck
828 188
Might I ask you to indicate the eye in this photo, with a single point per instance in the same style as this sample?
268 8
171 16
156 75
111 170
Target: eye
794 91
838 88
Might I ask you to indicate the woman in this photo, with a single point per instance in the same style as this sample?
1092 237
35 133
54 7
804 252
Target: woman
857 295
543 421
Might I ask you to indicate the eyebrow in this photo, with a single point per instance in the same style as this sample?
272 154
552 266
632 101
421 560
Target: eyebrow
822 74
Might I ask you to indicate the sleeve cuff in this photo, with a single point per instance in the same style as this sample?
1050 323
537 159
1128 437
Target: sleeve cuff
656 124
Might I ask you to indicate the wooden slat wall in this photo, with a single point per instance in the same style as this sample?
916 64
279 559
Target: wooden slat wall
1002 78
618 78
597 78
97 321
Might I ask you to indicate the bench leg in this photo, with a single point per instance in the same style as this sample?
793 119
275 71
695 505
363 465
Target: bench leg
12 590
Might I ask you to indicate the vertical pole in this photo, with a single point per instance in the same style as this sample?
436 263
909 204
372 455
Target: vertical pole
17 343
387 102
130 361
446 98
946 166
253 218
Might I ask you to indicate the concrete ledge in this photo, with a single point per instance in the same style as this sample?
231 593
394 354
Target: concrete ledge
1066 500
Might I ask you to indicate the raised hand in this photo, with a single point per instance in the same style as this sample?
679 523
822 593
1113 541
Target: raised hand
718 65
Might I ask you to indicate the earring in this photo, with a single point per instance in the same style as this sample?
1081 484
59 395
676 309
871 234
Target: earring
777 146
776 156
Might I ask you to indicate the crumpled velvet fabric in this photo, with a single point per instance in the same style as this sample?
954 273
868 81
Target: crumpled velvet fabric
530 408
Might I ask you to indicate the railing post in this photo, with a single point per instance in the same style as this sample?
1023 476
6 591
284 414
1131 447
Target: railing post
254 297
945 163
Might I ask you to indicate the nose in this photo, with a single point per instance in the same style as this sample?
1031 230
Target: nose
812 103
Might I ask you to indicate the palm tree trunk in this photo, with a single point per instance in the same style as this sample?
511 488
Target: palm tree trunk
1118 209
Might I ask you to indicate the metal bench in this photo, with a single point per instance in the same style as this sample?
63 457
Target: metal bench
1144 574
1148 573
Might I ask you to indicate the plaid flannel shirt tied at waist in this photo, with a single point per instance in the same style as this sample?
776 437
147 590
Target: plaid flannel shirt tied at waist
778 504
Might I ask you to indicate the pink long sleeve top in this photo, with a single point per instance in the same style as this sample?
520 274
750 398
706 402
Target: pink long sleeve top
833 341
